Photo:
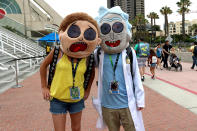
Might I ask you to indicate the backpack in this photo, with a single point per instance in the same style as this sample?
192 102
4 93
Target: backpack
154 59
143 49
129 54
87 74
195 50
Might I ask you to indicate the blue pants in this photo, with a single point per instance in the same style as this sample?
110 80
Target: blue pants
194 61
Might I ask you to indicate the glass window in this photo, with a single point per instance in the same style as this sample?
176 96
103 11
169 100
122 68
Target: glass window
10 6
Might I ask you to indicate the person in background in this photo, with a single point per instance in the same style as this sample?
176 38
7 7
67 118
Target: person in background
142 52
166 51
152 62
159 54
193 56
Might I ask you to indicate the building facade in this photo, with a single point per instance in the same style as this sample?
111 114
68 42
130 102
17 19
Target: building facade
132 7
176 27
28 15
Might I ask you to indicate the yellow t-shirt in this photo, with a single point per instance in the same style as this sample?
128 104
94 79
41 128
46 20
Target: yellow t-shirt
63 80
192 49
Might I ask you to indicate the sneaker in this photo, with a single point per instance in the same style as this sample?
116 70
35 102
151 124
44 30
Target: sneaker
153 77
143 78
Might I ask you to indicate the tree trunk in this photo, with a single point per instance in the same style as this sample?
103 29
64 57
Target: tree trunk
151 28
154 22
167 25
183 24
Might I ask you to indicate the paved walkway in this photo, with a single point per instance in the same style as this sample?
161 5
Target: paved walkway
23 109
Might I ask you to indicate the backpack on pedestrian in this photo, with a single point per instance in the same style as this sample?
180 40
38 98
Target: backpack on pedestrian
195 51
87 75
143 49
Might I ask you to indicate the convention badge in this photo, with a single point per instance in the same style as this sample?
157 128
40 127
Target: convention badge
127 60
114 87
74 93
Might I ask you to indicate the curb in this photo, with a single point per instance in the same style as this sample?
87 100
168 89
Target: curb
178 86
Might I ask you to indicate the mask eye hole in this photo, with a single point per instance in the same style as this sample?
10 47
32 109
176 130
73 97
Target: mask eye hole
74 31
117 27
90 34
105 28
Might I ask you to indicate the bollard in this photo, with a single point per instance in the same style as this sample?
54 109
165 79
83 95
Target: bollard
16 72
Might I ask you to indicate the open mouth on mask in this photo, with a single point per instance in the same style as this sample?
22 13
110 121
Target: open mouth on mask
78 46
112 43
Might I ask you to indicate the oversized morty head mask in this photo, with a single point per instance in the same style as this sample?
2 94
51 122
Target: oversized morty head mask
114 29
78 34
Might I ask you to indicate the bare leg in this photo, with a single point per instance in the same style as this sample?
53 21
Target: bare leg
154 71
76 121
143 71
159 63
59 121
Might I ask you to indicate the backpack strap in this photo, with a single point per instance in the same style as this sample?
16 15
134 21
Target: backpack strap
53 65
98 53
88 72
130 55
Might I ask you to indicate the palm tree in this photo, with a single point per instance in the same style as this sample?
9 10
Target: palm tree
155 16
151 18
165 11
194 28
139 24
183 8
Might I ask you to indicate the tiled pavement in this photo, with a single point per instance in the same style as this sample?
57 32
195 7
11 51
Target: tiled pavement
23 109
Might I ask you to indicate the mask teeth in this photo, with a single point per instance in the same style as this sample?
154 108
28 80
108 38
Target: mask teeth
80 43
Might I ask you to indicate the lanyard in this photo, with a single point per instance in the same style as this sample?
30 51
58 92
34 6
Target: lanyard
74 69
114 67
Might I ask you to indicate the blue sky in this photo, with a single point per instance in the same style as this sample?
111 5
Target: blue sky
65 7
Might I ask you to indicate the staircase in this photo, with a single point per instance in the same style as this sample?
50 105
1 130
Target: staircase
13 47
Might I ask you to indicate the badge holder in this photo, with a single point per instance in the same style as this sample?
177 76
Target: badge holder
114 87
74 93
74 90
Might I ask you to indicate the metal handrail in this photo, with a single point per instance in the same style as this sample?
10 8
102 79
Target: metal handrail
6 68
19 44
21 40
16 69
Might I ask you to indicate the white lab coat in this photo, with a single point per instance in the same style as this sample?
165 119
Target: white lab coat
135 97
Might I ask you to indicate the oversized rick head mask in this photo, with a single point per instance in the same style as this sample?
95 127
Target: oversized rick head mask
78 35
114 29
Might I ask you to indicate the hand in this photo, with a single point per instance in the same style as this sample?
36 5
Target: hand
140 108
46 93
87 93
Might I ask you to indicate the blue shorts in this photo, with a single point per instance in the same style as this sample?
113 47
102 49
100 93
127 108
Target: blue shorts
60 107
153 65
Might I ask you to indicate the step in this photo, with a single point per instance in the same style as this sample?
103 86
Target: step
6 86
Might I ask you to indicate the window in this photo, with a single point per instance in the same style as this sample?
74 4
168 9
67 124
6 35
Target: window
10 6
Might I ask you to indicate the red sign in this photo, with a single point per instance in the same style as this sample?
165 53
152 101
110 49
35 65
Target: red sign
2 13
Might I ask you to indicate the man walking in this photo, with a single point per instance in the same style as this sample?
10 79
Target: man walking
142 52
166 51
193 49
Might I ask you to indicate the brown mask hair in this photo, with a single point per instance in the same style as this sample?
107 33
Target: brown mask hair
82 43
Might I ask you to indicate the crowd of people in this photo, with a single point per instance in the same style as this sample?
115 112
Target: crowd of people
153 57
162 54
